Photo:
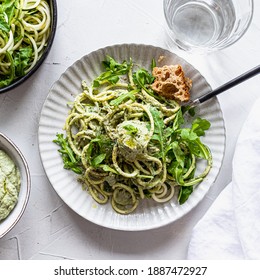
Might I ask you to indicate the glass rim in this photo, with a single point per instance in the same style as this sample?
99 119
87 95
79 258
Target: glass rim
227 40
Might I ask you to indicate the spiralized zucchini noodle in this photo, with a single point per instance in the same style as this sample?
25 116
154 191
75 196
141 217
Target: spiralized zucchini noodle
130 143
24 32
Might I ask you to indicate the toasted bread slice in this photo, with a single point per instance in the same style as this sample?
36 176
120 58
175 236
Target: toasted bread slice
171 82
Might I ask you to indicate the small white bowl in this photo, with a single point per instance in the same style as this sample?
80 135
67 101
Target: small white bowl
15 154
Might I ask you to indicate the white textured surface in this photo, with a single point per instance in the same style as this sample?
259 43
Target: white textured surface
231 227
51 230
148 215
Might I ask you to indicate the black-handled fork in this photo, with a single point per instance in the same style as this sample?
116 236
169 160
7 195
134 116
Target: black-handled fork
247 75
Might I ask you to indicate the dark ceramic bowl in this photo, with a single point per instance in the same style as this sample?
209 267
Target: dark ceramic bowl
17 82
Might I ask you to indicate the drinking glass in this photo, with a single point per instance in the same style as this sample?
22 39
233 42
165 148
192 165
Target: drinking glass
207 25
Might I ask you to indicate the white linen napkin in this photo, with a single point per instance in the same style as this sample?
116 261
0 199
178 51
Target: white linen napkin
231 227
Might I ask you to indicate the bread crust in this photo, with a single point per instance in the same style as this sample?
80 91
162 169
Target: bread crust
171 82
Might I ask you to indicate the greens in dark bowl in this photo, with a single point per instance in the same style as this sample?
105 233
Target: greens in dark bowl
27 30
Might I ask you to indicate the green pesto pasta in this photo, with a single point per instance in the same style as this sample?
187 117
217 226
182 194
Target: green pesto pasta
130 144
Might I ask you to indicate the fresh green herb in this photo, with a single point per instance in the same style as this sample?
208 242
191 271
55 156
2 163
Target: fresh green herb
22 59
142 78
199 126
99 150
113 71
158 130
97 160
184 193
177 164
121 98
153 64
9 8
107 168
131 130
70 160
178 121
182 151
7 79
191 136
4 26
192 111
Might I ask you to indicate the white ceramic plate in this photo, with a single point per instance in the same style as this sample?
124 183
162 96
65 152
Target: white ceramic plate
149 214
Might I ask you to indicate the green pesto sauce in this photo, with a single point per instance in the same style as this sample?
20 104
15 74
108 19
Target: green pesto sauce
9 185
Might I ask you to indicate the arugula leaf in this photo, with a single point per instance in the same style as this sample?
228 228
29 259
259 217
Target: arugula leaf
98 150
142 78
111 64
123 97
9 8
98 159
192 111
181 152
177 166
153 64
107 168
7 4
178 154
70 160
22 58
158 130
176 170
112 73
4 26
192 137
199 126
90 148
6 10
178 120
131 130
8 79
188 135
194 143
184 193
